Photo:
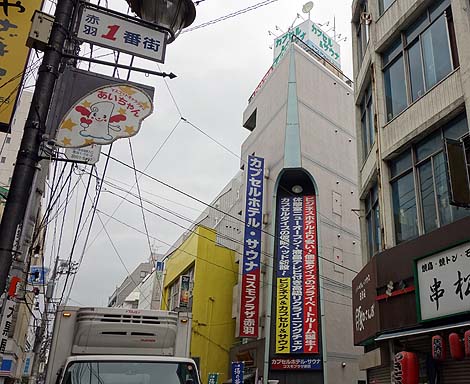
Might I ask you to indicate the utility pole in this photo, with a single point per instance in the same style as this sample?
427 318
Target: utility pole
38 339
28 154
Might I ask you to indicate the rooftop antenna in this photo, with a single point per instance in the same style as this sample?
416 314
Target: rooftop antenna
307 8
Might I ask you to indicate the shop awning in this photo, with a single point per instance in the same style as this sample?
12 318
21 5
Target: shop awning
420 331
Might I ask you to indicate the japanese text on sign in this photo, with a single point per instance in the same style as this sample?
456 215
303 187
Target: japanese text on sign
237 372
249 308
5 326
313 36
100 28
296 364
296 272
444 282
15 23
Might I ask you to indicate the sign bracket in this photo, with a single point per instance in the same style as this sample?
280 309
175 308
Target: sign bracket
171 75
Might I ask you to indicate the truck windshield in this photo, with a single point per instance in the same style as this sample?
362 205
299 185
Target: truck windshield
130 372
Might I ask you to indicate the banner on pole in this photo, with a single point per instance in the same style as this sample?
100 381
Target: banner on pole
237 372
251 264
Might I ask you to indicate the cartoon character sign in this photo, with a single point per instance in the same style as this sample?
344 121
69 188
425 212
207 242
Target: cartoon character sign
103 116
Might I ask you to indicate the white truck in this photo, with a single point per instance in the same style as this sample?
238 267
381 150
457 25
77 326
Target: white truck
120 346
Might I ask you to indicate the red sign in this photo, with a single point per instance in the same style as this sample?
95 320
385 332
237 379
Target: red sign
265 78
310 276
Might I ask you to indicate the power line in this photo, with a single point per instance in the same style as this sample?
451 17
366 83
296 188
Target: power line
217 209
94 208
209 239
146 167
74 243
230 15
140 197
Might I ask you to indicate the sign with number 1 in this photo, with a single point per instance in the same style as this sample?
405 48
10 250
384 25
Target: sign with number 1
121 34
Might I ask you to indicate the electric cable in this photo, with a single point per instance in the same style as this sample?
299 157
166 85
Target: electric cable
219 210
140 176
230 15
95 206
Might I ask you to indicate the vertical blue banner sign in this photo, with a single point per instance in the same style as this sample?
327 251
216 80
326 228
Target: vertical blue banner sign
237 372
251 271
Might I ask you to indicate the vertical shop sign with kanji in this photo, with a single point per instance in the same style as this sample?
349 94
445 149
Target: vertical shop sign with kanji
310 287
296 277
251 265
120 34
5 325
237 372
15 23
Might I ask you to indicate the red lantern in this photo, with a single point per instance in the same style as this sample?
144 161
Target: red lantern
438 348
466 341
406 368
456 347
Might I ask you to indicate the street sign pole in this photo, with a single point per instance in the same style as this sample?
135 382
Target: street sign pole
28 154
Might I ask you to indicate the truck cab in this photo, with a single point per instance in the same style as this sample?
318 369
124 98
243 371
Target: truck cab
121 346
123 369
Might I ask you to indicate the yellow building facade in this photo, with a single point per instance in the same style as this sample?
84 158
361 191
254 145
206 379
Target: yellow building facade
213 274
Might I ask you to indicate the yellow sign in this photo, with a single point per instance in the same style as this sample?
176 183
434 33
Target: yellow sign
283 315
15 23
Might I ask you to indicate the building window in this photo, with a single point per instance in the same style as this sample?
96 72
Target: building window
362 33
419 185
430 51
367 122
175 295
175 291
3 159
7 140
374 242
384 5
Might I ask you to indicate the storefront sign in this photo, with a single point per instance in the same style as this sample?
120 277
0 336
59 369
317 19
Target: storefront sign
251 271
89 155
28 364
365 306
184 292
103 116
15 23
213 378
296 364
101 28
6 322
237 372
297 315
443 281
37 275
7 367
313 36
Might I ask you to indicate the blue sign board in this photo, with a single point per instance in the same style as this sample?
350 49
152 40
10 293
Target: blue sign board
37 275
237 372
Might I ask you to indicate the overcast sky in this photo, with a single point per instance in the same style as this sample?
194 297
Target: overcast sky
218 67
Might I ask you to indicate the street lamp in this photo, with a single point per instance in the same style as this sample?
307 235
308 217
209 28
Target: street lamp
171 15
